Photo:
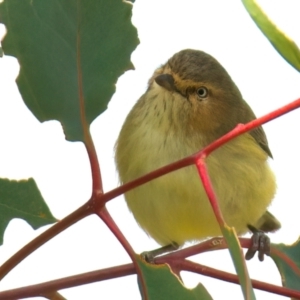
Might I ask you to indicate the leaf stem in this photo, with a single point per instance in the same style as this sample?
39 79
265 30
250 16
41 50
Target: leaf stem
87 139
97 188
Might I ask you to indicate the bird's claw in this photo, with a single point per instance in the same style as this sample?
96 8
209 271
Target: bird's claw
148 257
260 243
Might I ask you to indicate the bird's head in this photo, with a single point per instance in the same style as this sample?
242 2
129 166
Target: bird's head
204 95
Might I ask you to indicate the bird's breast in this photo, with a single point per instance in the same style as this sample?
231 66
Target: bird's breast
174 207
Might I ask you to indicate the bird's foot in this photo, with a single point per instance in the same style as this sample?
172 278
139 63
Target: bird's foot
260 243
149 256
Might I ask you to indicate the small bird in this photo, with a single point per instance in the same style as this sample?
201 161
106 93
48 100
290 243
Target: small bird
190 102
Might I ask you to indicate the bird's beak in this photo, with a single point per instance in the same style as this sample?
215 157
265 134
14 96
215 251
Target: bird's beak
166 81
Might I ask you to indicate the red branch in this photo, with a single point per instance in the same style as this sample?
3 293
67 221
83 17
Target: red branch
242 128
187 161
203 173
68 282
110 223
202 170
57 228
186 265
176 259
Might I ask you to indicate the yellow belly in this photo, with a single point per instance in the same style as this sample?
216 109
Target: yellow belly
175 208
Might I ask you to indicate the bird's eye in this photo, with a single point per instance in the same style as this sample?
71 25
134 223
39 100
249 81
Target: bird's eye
202 92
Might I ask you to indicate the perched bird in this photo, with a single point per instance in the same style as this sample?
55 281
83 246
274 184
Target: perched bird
191 101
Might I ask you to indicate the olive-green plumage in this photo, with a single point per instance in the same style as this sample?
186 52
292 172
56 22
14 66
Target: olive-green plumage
191 101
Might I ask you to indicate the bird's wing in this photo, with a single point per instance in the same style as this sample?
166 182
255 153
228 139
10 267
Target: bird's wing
268 223
260 137
258 133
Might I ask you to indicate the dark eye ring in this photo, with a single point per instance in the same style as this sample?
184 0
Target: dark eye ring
202 92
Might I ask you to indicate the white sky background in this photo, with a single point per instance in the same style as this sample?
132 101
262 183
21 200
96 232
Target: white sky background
61 168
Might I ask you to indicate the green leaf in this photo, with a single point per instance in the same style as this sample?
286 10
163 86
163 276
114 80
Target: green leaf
162 284
287 260
22 199
1 51
237 256
71 54
282 43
